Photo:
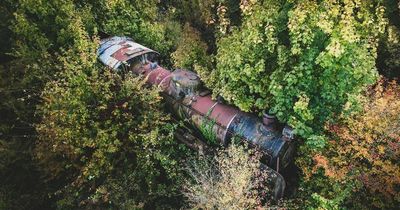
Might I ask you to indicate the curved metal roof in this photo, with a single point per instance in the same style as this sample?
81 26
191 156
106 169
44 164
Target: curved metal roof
115 50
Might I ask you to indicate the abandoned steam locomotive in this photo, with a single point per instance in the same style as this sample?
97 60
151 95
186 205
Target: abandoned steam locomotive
189 100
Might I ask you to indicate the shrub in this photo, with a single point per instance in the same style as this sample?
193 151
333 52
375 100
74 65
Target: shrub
228 181
97 127
365 149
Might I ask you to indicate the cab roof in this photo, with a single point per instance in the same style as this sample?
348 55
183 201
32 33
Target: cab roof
113 51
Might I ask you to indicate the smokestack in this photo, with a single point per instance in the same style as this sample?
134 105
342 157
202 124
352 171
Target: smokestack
269 120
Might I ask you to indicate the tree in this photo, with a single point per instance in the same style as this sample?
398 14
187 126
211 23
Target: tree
365 149
248 55
305 61
46 41
98 127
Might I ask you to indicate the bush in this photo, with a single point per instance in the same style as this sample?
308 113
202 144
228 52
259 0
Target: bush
98 127
228 181
364 152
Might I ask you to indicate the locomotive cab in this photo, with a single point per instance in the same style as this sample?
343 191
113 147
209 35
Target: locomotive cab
138 62
123 54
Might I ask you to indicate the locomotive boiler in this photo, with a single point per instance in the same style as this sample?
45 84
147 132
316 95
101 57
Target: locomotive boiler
188 100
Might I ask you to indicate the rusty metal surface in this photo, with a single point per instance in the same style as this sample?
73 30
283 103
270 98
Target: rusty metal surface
155 76
224 114
115 50
182 90
221 113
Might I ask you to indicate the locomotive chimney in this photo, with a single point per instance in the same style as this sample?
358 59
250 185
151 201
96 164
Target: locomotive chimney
269 120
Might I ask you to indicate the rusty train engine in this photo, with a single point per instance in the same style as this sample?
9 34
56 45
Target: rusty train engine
189 101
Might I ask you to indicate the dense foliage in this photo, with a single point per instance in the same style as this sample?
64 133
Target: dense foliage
303 60
98 127
191 50
48 43
309 62
73 134
365 148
